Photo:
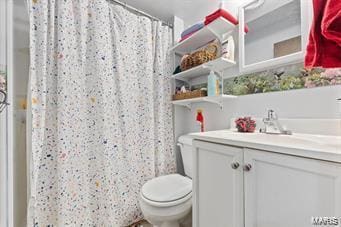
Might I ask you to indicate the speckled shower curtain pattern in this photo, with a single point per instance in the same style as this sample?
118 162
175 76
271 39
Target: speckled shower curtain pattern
101 112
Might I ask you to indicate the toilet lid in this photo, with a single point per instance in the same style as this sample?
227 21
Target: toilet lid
167 188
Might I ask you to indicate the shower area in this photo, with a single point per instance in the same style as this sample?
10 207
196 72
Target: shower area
76 144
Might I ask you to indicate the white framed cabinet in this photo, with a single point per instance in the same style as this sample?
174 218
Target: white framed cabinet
278 33
218 184
266 189
287 191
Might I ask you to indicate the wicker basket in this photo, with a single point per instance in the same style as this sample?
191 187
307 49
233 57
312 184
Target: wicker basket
186 62
201 56
190 95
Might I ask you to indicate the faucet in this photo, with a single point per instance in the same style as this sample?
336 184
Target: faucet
272 125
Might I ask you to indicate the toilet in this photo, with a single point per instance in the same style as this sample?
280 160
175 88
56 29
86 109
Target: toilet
166 201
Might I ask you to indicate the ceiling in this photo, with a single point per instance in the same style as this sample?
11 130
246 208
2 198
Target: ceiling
191 11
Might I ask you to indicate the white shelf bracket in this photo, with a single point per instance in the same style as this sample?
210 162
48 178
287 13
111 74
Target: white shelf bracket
217 102
220 38
210 67
188 106
183 80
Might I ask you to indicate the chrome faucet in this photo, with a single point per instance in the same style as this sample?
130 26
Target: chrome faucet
272 125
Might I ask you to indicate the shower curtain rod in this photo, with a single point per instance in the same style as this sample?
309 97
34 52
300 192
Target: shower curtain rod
141 12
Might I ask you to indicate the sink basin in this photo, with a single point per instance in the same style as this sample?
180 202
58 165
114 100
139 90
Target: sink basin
321 147
323 140
302 141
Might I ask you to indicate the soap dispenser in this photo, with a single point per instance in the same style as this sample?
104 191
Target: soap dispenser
212 84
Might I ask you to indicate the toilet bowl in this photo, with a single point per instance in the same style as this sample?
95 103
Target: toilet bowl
166 201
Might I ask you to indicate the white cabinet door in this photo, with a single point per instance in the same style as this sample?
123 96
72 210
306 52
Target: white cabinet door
218 186
287 191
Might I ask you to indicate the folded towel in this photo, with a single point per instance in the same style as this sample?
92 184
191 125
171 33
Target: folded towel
192 29
324 46
187 36
223 13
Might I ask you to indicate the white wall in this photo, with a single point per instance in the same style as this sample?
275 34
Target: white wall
313 103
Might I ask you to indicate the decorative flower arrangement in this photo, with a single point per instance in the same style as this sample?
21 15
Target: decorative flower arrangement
328 77
280 79
245 124
250 84
291 82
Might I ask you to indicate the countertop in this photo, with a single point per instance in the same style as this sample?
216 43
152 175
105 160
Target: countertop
327 148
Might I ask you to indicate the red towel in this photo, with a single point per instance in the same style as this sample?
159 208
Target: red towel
324 46
222 13
331 22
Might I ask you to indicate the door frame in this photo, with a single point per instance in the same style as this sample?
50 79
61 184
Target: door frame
6 119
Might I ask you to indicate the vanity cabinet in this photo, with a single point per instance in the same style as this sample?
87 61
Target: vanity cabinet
267 189
278 33
283 190
219 189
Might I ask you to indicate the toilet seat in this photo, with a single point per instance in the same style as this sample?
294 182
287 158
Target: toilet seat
166 191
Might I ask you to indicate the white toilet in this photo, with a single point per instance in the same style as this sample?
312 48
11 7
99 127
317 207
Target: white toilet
166 201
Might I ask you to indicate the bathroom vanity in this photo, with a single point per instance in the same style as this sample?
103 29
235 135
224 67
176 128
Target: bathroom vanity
261 180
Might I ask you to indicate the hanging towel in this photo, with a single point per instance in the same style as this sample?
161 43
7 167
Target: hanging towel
223 13
324 46
192 29
331 22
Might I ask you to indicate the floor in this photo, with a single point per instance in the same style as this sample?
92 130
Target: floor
187 222
141 224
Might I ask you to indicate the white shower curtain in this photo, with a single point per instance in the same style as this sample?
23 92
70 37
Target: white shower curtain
101 112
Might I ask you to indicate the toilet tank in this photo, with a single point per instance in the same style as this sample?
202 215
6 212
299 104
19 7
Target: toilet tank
185 144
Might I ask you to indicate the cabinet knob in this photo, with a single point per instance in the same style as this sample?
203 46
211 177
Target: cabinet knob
235 165
247 167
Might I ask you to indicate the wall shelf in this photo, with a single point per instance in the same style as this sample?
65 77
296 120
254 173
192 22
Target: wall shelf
218 29
211 99
217 65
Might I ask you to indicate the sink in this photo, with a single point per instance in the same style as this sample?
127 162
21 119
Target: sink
319 139
294 140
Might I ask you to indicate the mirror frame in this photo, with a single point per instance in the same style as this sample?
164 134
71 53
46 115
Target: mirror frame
306 19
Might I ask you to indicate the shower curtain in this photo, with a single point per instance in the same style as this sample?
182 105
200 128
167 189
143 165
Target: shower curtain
101 112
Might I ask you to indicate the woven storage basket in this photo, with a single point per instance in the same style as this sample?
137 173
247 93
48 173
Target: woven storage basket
190 95
200 57
208 53
213 50
186 62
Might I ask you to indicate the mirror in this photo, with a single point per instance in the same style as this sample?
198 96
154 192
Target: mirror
275 33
